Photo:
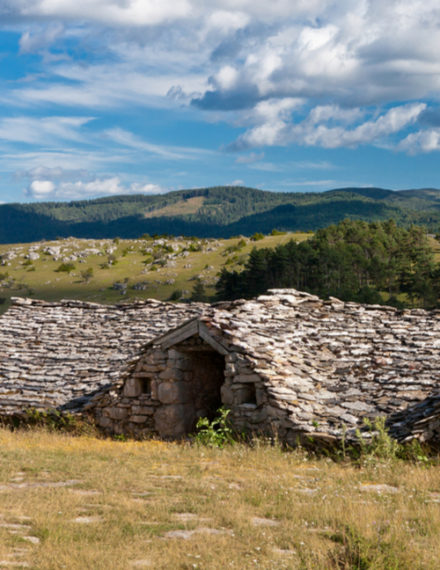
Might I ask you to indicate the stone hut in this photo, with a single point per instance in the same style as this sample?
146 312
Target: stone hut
287 363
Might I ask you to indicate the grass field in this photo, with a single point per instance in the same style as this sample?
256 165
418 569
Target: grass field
85 503
145 268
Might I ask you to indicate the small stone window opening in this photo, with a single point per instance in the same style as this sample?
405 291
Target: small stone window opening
145 384
249 394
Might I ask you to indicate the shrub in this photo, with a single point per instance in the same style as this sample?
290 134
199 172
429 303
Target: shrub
199 292
52 420
215 433
87 274
176 295
65 268
195 247
257 236
275 232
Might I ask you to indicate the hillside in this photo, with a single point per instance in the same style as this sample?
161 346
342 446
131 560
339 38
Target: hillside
109 271
219 212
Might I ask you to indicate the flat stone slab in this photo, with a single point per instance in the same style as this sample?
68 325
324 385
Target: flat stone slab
35 484
260 521
87 520
186 534
184 517
378 488
31 539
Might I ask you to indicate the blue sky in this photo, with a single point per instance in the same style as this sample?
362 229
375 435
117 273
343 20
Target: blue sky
103 97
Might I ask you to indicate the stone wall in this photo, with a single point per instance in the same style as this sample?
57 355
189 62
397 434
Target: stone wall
168 390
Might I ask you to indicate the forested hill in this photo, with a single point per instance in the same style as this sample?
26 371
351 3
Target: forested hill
215 212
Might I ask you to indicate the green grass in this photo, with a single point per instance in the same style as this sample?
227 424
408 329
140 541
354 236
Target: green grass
39 279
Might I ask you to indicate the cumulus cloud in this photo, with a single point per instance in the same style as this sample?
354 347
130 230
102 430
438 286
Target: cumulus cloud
113 12
326 129
421 141
328 73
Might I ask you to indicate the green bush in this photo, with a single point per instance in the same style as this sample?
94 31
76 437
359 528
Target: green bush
52 420
87 274
65 268
275 232
215 433
176 295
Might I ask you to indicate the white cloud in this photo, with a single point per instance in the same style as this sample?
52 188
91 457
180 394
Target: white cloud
126 138
40 39
43 130
41 188
337 65
280 129
115 12
44 189
421 141
249 158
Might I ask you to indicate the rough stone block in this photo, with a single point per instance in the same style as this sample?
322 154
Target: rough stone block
138 419
132 389
174 392
227 395
245 378
171 374
142 410
184 364
105 422
174 421
174 354
118 413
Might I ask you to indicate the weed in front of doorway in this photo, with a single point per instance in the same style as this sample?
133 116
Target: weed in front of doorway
215 433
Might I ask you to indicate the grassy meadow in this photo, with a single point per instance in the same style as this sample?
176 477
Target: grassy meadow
144 268
81 502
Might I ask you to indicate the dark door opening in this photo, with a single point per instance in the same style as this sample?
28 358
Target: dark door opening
207 369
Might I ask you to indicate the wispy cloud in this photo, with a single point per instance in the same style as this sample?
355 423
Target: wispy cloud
126 138
44 130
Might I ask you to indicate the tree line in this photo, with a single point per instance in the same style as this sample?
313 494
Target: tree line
377 262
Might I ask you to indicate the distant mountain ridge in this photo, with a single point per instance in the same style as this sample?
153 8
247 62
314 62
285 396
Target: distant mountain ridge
220 211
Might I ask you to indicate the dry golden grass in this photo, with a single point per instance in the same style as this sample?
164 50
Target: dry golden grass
85 503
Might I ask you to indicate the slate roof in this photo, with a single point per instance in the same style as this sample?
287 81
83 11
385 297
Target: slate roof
324 363
329 363
55 355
